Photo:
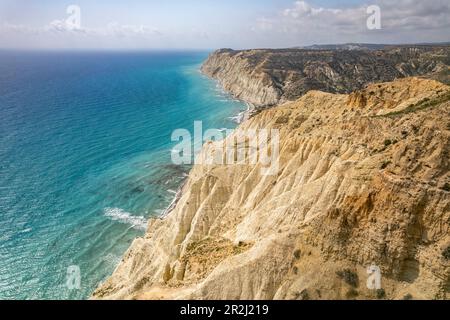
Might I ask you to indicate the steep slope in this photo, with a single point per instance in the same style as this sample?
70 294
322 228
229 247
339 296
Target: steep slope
364 178
269 77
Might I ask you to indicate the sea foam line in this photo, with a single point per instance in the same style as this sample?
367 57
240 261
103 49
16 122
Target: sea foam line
119 215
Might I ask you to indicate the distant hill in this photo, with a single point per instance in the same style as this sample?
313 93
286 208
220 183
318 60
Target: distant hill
345 46
267 77
365 46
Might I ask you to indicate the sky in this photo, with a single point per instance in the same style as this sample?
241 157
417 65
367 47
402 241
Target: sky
211 24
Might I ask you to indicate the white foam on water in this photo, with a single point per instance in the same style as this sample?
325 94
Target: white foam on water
119 215
238 118
112 259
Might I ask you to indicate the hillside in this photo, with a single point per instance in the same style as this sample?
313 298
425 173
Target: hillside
364 178
270 77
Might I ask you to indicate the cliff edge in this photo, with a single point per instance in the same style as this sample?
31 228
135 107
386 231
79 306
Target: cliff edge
268 77
363 179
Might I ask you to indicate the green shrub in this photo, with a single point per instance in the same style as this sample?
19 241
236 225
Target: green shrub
381 294
304 295
352 293
385 164
446 253
349 277
295 270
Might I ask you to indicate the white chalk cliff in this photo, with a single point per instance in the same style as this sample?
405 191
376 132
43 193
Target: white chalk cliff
363 178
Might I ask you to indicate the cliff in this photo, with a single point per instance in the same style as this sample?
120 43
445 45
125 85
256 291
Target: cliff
363 178
270 77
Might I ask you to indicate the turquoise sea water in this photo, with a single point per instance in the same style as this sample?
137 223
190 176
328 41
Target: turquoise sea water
85 142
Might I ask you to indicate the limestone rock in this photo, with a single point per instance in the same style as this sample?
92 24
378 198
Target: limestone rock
270 77
363 178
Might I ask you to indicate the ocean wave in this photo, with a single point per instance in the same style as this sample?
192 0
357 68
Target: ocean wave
119 215
112 259
238 118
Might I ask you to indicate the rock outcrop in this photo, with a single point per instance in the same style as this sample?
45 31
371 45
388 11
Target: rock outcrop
270 77
363 179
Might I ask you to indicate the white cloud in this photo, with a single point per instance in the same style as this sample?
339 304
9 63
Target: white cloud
301 23
6 28
60 34
115 29
402 21
62 27
303 9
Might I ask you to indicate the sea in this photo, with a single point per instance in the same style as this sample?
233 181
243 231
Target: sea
85 158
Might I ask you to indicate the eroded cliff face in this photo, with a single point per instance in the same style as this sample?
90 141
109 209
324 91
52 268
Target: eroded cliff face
269 77
363 178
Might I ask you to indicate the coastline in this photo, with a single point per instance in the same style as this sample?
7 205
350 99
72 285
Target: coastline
246 114
112 157
242 116
238 119
235 234
174 202
227 224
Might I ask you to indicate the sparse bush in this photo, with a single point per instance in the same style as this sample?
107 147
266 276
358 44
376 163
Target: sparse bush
319 293
297 254
304 295
446 253
295 270
282 120
387 142
350 277
385 164
446 187
352 293
408 297
381 294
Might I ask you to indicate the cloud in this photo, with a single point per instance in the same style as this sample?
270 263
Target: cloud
402 21
300 23
415 15
6 28
115 29
63 27
61 34
303 9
